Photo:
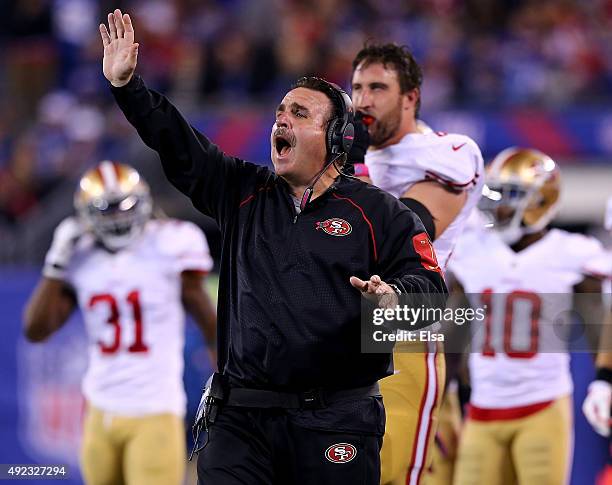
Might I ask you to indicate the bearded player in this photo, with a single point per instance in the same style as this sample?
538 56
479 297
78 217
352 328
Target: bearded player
132 277
597 404
437 175
519 425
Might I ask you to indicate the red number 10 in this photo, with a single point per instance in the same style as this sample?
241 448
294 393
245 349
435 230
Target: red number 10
133 299
536 306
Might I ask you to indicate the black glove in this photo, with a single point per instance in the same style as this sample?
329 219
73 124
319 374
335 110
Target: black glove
361 142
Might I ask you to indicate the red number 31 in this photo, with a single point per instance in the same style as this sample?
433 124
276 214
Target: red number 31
133 299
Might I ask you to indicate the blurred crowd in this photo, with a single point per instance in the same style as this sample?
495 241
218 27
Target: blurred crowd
58 118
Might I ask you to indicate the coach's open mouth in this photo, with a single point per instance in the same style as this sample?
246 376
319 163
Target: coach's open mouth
282 144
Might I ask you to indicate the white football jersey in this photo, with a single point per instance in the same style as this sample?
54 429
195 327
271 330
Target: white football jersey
135 322
601 267
450 159
518 355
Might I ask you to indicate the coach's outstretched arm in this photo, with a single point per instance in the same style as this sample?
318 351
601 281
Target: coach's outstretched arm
193 164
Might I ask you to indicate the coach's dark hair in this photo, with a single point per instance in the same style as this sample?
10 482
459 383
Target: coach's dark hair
409 73
318 84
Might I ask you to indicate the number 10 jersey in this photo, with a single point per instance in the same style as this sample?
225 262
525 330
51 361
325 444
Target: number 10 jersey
519 352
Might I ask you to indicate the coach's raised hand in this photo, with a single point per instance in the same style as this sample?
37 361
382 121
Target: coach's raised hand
120 50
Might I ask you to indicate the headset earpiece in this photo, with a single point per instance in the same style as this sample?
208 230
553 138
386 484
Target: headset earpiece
331 136
340 131
347 138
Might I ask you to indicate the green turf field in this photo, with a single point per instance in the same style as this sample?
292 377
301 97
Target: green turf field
212 286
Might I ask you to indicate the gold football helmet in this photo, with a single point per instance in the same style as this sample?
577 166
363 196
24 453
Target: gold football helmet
521 192
114 202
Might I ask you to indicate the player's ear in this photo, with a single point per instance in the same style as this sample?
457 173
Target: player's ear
410 98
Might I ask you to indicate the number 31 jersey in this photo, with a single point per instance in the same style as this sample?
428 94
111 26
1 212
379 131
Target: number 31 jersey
518 356
135 322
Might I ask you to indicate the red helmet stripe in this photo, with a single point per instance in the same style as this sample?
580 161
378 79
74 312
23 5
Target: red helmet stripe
110 175
117 171
99 174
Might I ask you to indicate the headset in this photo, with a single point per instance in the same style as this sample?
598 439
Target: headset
340 130
339 135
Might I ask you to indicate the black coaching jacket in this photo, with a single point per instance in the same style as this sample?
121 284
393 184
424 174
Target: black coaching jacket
288 318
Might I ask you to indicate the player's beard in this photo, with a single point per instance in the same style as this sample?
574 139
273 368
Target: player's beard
386 127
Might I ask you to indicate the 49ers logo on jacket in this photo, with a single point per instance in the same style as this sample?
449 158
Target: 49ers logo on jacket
335 227
341 453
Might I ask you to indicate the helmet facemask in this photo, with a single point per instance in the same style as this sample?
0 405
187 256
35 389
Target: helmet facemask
521 194
502 206
118 222
114 203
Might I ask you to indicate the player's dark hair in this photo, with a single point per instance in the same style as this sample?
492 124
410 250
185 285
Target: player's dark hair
409 73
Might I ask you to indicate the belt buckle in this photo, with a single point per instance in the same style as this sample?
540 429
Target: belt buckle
312 399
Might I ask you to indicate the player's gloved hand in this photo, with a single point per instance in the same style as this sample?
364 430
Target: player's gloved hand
361 142
596 406
58 257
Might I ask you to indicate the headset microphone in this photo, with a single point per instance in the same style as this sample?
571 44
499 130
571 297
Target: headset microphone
310 189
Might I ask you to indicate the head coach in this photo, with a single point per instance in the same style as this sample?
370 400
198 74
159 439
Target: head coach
296 402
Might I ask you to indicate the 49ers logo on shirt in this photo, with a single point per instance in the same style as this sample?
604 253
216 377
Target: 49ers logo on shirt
341 453
335 227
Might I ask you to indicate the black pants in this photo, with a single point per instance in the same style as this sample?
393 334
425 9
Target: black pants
267 447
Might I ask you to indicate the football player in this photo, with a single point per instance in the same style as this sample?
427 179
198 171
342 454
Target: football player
132 277
437 175
519 424
596 406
